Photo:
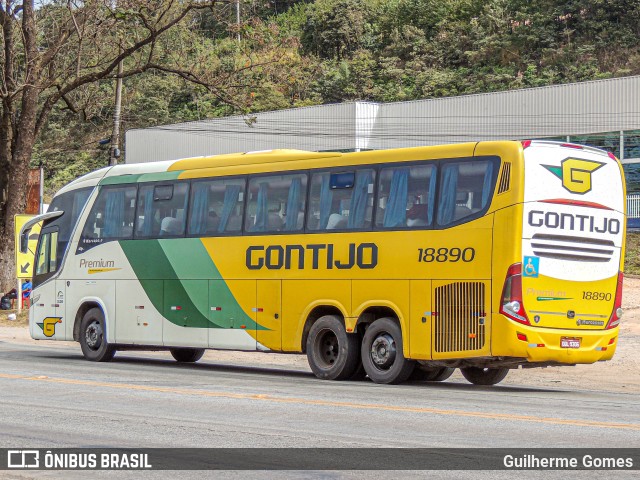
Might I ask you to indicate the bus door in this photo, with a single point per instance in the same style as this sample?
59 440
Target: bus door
461 315
232 315
47 313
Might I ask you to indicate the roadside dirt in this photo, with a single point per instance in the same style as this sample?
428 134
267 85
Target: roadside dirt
619 375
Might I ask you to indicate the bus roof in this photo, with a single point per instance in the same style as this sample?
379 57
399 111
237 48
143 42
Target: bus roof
170 169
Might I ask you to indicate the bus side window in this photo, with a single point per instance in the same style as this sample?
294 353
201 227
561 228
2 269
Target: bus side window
465 190
341 200
112 215
216 207
161 210
276 204
406 196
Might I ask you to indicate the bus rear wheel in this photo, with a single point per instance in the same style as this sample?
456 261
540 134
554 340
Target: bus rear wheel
382 355
431 374
187 355
484 376
93 338
333 354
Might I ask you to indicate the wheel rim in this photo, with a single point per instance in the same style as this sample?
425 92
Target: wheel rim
93 335
327 348
383 351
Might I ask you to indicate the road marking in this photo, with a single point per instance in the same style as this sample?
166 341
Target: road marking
327 403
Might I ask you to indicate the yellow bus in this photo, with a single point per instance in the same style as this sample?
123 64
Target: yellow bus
394 264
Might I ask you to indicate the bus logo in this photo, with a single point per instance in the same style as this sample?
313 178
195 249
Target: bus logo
48 325
575 174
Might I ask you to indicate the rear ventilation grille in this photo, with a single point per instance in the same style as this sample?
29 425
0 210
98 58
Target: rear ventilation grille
459 317
577 249
505 178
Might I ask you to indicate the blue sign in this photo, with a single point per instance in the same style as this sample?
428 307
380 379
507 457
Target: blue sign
530 266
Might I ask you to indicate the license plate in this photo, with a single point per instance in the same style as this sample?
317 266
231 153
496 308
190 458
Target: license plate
569 342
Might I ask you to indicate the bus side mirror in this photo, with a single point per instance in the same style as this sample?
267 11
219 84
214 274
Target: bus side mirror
24 240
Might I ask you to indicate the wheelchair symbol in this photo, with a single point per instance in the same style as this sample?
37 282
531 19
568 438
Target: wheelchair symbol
531 267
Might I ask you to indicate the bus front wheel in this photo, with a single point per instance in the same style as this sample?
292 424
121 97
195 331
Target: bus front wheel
333 354
187 355
484 376
93 338
382 355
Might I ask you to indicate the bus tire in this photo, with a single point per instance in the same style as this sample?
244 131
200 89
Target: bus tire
484 376
333 354
187 355
93 339
382 355
431 374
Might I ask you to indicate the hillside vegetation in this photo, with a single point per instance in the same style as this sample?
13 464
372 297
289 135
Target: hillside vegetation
299 53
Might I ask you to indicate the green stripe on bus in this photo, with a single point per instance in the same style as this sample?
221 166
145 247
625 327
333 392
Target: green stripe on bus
187 274
140 178
119 180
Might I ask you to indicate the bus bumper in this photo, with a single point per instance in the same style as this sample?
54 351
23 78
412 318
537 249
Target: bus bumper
543 344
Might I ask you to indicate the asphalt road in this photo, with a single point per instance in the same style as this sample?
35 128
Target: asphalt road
52 397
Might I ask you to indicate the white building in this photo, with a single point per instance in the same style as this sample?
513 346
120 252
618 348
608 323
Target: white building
603 113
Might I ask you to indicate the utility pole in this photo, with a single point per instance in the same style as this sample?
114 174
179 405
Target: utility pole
114 150
238 18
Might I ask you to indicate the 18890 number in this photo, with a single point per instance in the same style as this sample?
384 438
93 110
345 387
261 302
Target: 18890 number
446 254
596 296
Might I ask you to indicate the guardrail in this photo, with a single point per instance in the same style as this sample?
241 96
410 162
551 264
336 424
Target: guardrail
633 211
633 205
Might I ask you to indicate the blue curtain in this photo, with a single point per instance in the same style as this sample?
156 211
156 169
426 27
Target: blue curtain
432 195
147 226
447 203
294 205
326 200
262 214
487 184
114 214
358 205
395 215
231 193
200 209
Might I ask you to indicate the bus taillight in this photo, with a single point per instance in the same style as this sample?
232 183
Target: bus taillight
616 315
512 305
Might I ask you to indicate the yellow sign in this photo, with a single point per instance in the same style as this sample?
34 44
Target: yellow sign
25 261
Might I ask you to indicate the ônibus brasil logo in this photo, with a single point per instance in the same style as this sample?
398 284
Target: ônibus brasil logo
575 174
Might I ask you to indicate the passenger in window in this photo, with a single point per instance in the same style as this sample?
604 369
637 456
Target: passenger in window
170 226
213 221
274 220
418 216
